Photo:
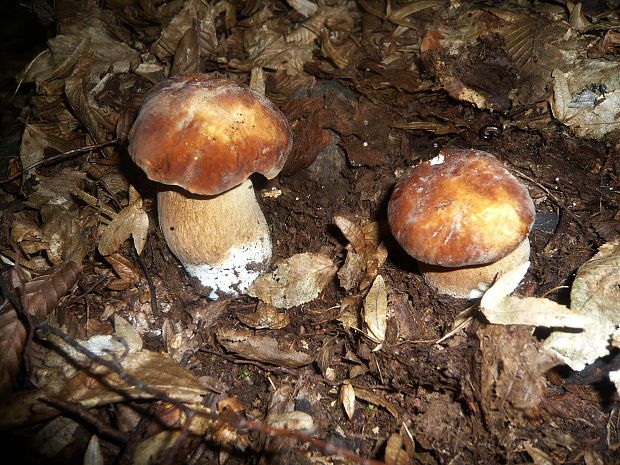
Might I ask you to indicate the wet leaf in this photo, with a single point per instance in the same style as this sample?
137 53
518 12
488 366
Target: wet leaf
294 281
347 399
375 310
265 317
261 348
130 221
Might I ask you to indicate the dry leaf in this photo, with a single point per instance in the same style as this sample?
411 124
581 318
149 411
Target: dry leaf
261 348
595 295
265 317
100 387
347 399
395 454
55 436
294 420
504 286
41 295
125 269
376 400
127 333
93 455
12 339
130 221
375 310
352 233
294 281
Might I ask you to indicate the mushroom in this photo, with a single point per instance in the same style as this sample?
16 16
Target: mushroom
203 137
465 218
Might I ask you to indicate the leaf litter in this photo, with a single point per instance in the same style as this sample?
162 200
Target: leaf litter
357 70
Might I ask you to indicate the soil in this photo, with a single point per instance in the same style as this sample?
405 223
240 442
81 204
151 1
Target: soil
348 154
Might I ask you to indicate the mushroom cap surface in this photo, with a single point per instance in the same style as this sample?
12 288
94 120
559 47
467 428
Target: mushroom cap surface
208 135
462 208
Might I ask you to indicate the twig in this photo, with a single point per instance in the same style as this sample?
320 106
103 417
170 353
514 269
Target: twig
235 421
76 409
59 157
149 280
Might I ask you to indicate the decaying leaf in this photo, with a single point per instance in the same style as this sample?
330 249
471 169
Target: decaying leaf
128 274
55 436
513 369
587 100
99 387
347 399
12 340
365 254
595 295
265 317
41 295
130 221
261 348
294 281
399 449
375 399
375 310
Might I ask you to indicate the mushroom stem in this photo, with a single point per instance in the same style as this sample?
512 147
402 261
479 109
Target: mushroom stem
221 240
471 282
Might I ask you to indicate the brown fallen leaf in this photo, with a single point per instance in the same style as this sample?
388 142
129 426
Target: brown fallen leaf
125 269
130 221
12 340
347 399
375 311
261 348
265 317
294 281
41 295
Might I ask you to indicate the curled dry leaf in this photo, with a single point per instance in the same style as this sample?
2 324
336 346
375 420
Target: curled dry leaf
347 399
294 281
365 254
130 221
41 295
265 317
261 348
375 310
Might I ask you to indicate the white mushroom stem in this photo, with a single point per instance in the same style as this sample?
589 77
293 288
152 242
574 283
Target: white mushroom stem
222 240
471 282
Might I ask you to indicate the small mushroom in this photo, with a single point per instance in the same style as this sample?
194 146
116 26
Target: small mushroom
465 218
203 137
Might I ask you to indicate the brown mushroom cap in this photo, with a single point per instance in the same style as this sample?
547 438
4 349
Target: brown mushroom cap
466 210
208 135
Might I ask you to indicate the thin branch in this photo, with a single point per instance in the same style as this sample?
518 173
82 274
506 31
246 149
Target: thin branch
60 157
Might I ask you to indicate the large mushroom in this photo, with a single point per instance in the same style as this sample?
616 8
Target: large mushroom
465 218
203 137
